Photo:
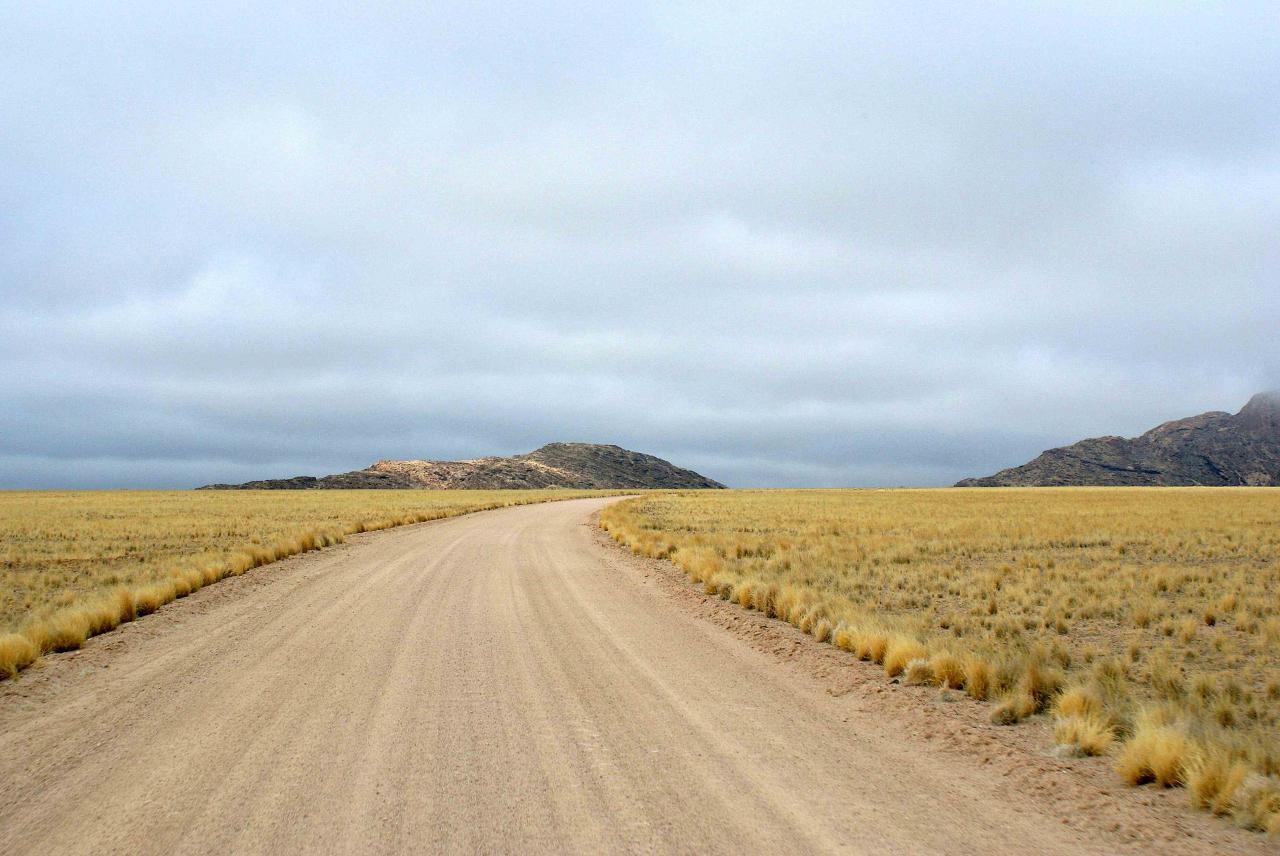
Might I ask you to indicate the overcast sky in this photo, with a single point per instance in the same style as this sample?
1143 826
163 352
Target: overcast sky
782 244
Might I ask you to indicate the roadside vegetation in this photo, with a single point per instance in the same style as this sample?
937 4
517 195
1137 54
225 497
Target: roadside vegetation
1145 622
79 563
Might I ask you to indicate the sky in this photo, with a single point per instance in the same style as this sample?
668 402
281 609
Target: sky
783 244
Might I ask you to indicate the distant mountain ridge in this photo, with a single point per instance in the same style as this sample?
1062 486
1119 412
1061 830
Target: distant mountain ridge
582 466
1214 448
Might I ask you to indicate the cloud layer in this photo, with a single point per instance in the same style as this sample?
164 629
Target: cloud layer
815 244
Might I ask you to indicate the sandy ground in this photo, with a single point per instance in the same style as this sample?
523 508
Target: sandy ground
509 682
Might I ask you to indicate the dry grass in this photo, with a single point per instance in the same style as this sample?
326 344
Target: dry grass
978 678
75 564
948 670
1214 782
1091 734
16 653
1157 752
1096 603
901 651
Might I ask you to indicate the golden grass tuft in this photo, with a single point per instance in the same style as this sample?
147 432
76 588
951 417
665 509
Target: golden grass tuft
148 600
1256 803
1078 702
1213 780
1040 683
918 671
66 631
948 670
900 651
16 653
101 616
1089 732
821 630
1016 706
125 607
1156 753
763 597
871 645
979 678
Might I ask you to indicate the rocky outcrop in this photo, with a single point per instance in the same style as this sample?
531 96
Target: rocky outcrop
580 466
1213 448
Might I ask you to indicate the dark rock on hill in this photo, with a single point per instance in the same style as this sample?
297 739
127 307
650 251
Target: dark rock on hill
566 465
1213 448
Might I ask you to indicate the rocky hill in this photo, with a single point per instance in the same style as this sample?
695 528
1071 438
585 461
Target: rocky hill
567 465
1213 448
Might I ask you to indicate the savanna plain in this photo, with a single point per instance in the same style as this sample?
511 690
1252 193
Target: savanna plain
1144 621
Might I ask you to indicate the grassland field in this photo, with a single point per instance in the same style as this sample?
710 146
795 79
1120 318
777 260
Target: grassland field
77 563
1145 621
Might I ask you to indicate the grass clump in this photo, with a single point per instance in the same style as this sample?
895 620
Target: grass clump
1078 702
1091 734
871 645
1256 803
1040 683
948 670
918 671
901 651
64 631
1016 706
1158 753
16 653
978 678
1214 781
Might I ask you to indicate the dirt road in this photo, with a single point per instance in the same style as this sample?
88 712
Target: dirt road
491 683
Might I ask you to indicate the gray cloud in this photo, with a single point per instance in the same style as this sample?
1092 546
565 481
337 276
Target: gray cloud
823 244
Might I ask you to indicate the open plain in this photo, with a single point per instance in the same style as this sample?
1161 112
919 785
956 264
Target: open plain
507 681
